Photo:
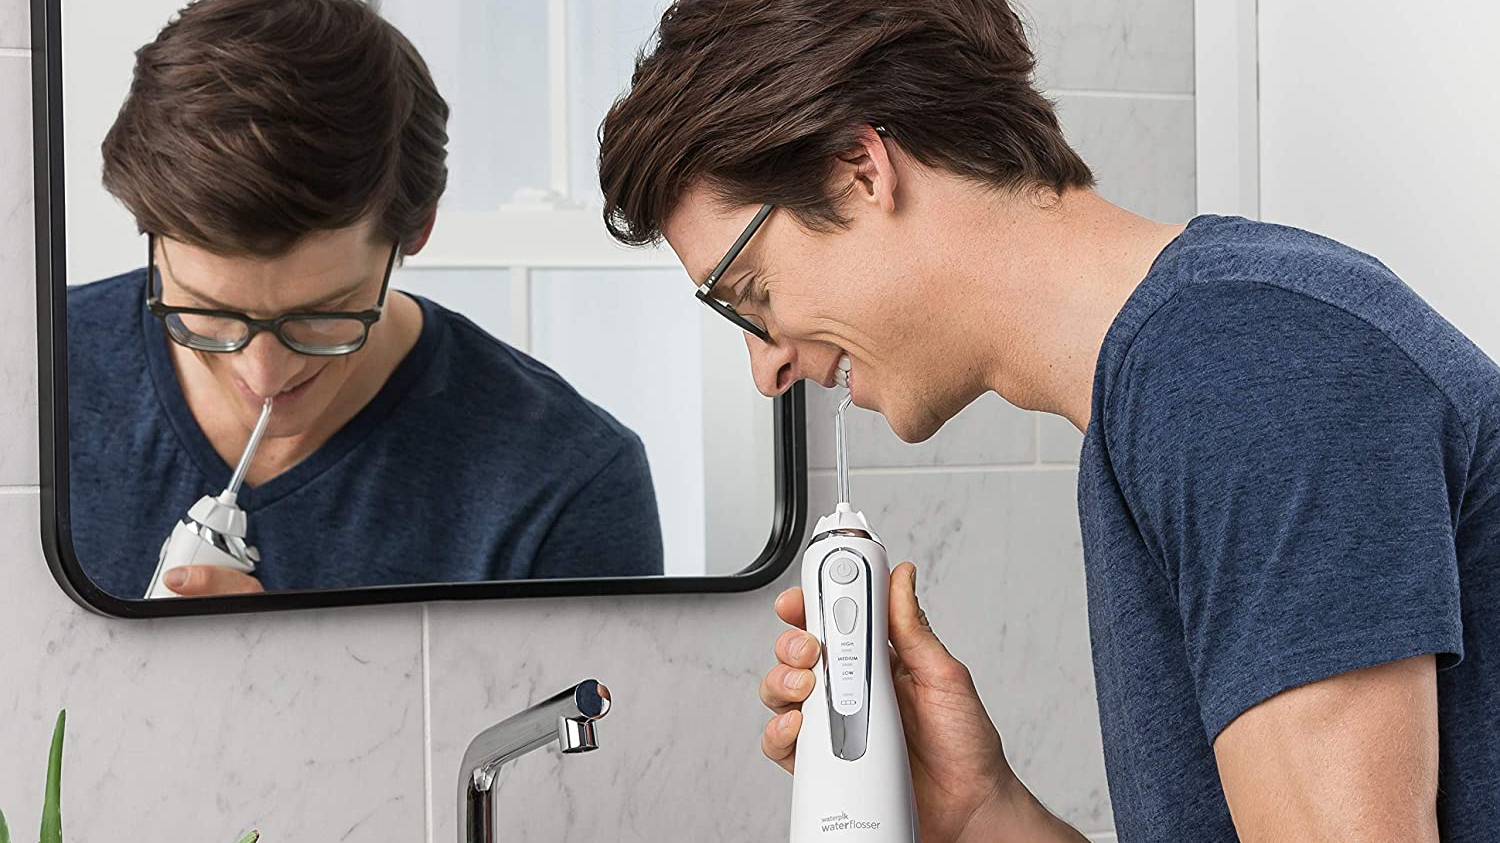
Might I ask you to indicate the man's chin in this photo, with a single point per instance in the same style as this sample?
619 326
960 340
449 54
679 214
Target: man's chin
911 428
907 425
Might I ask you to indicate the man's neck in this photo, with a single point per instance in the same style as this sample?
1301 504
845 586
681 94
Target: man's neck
1057 276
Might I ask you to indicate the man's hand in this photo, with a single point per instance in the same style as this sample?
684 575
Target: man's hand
964 787
210 580
1351 758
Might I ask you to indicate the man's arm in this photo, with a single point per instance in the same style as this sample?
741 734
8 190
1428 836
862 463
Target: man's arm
1299 472
1350 758
610 527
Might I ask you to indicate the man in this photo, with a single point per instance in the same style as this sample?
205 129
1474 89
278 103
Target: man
280 156
1290 478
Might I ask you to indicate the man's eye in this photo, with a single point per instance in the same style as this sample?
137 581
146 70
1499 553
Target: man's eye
755 293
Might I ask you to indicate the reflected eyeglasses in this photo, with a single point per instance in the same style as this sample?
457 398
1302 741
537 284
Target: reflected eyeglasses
314 333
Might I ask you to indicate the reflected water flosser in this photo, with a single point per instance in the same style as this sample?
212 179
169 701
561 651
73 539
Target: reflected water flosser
213 531
853 779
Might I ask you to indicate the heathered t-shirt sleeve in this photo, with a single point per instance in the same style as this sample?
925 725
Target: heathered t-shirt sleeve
1292 469
610 527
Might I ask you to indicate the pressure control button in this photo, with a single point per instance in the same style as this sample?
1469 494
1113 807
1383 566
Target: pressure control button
845 611
843 571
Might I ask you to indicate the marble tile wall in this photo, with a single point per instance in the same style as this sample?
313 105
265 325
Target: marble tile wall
1123 46
348 724
15 26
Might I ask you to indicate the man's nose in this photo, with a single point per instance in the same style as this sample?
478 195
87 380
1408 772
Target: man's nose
266 366
773 364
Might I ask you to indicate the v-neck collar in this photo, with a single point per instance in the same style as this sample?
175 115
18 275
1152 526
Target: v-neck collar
195 442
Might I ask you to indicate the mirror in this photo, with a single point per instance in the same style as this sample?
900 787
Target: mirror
283 353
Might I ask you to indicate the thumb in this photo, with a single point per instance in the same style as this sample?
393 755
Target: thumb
911 635
209 580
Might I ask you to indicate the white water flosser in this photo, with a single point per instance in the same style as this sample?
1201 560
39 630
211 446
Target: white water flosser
213 531
853 779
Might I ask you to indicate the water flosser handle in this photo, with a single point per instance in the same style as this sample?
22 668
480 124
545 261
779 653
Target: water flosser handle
186 546
852 768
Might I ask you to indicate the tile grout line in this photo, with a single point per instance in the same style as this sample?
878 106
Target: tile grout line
20 490
1172 96
901 470
427 724
15 53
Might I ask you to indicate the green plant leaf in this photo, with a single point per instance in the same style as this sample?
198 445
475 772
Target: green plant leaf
4 832
52 805
252 837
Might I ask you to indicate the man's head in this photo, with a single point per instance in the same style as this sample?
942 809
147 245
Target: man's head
744 102
279 149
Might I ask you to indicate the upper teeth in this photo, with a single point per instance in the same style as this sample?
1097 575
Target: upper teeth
841 377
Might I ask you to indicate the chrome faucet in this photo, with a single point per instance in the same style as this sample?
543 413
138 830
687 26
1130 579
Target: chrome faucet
567 716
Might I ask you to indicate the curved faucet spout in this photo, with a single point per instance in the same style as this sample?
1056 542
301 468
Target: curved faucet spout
567 717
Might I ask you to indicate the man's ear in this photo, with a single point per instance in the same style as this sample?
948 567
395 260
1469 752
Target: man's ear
869 170
426 233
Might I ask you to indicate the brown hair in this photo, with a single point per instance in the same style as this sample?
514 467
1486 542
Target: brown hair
755 98
252 123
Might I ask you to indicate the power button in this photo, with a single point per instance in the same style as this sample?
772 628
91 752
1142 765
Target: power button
843 571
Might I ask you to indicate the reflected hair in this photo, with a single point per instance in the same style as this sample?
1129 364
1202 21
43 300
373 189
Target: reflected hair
756 99
252 123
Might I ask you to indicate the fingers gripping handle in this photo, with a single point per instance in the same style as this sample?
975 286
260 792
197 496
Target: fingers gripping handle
852 772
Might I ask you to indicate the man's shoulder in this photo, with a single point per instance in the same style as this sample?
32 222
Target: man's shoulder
1261 300
1236 246
109 383
1230 334
104 320
1222 257
106 300
504 388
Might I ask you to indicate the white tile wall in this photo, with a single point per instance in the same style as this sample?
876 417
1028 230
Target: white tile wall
15 24
1113 45
18 421
1140 148
1060 440
308 726
313 725
988 432
679 755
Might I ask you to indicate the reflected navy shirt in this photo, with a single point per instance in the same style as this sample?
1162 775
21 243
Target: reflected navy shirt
472 462
1292 470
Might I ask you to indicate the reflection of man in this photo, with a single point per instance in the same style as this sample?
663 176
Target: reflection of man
280 155
1290 477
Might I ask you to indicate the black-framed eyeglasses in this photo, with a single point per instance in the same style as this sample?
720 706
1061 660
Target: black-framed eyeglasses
750 324
315 333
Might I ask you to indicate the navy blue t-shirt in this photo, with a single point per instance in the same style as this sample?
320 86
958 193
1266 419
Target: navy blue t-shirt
1292 471
472 462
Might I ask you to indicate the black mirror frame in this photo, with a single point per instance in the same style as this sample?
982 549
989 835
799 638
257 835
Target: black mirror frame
789 520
